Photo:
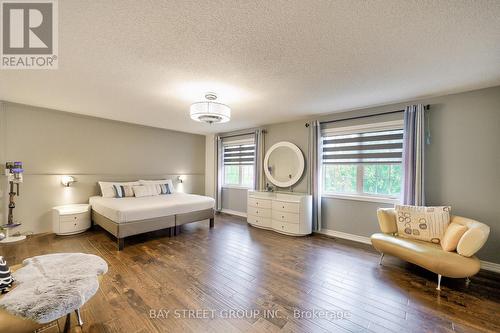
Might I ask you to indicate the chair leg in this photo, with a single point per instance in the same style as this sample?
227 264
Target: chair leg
381 257
212 222
467 281
79 317
439 282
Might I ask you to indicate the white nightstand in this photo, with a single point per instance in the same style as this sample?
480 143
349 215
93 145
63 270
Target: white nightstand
70 219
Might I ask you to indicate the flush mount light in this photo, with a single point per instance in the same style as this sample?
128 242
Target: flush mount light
210 111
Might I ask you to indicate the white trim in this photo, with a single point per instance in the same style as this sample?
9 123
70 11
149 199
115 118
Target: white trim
486 265
358 197
344 235
379 126
490 266
234 212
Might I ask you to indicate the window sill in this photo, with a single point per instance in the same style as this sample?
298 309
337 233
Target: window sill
360 198
236 187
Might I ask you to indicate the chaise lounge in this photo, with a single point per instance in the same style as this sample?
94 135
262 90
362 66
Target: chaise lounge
458 264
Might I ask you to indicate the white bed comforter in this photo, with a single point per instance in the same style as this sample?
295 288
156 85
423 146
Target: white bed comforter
122 210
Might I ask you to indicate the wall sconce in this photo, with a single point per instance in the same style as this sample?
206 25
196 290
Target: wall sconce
180 179
67 180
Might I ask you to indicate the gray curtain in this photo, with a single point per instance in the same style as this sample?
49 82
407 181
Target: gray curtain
413 155
218 173
259 160
314 157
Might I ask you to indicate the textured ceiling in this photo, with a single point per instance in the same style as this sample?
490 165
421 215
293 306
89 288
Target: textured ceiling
145 61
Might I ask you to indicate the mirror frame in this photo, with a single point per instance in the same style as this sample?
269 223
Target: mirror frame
300 157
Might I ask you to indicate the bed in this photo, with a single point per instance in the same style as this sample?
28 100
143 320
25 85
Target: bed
123 217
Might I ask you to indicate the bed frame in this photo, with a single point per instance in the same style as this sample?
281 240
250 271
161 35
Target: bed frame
172 222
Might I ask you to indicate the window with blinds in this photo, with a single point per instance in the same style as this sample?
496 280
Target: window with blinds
243 154
363 161
239 164
368 147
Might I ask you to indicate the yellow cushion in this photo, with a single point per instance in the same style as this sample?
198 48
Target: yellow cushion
452 236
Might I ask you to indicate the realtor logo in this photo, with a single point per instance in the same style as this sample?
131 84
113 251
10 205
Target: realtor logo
29 34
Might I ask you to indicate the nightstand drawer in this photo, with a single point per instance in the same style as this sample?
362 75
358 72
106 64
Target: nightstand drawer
285 217
260 203
74 217
259 221
261 212
73 226
282 206
286 227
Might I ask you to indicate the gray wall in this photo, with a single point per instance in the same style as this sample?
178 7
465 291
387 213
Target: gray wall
462 163
235 199
52 143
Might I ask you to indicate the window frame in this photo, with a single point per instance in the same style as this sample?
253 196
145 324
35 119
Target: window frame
359 195
239 185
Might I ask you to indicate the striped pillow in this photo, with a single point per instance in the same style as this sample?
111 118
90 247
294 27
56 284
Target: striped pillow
165 189
6 279
122 191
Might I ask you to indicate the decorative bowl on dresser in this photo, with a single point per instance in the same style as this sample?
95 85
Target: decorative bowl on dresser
70 219
284 212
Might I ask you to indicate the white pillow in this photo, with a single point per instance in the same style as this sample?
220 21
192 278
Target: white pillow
107 190
145 190
158 182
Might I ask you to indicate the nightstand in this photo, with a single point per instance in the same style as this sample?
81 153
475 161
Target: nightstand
70 219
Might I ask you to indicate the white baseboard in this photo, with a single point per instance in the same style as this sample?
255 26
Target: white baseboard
233 212
490 266
344 235
486 265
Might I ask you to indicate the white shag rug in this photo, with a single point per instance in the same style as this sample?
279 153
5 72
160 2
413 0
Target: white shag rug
50 286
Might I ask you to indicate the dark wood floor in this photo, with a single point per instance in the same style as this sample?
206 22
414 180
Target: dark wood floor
240 268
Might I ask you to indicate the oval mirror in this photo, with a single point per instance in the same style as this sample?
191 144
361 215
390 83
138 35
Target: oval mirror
284 164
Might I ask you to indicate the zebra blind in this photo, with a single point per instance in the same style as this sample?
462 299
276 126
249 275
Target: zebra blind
367 147
242 154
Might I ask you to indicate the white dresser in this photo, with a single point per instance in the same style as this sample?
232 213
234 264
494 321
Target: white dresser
285 212
70 219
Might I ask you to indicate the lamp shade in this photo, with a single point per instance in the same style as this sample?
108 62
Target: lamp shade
210 112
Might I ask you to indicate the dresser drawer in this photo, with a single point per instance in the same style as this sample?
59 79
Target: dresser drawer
261 203
259 221
285 217
286 227
282 206
261 212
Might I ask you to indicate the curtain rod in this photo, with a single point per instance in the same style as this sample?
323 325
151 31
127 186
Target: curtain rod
233 135
427 107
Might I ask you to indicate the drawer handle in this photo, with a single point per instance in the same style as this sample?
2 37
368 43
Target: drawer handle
74 217
282 217
257 203
283 207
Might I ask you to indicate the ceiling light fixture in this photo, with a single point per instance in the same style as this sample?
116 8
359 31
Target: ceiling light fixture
210 111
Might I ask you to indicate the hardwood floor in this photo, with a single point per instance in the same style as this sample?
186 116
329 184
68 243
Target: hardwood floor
235 271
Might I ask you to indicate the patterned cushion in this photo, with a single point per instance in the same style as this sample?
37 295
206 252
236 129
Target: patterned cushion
165 189
423 223
122 191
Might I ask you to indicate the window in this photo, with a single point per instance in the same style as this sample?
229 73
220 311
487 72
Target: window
363 161
239 164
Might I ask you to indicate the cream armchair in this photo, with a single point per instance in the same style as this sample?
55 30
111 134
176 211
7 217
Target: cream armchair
459 264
